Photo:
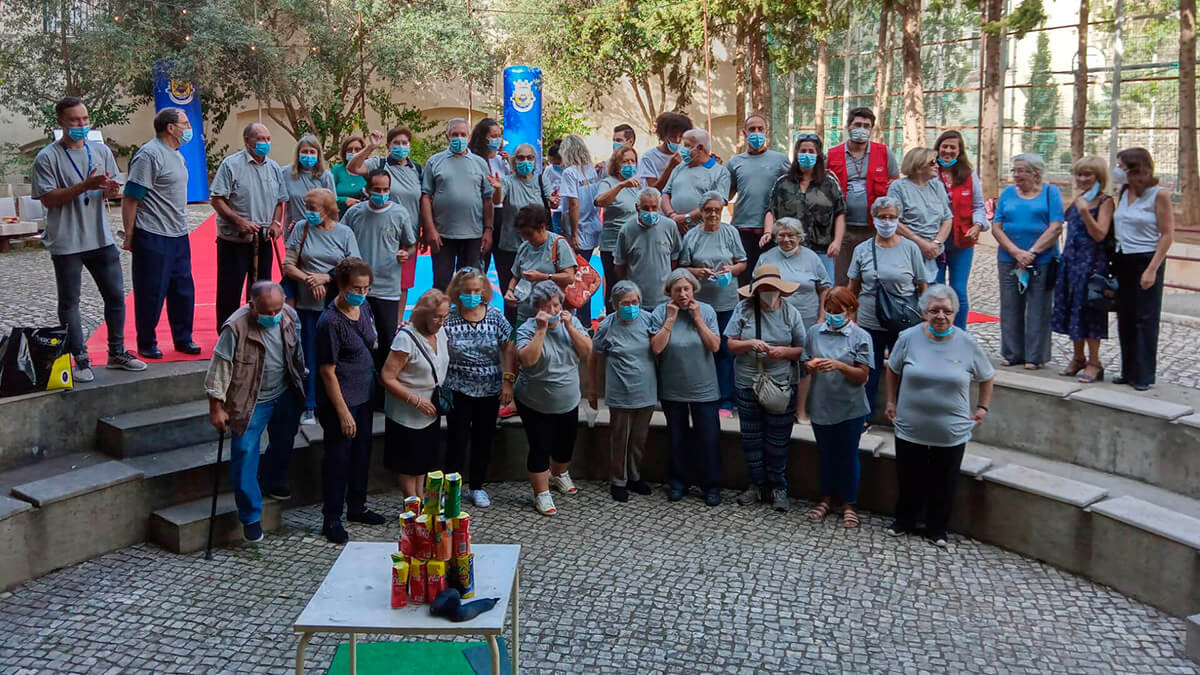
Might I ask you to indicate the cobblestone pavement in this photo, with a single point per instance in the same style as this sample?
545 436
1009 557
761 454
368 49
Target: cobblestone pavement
612 588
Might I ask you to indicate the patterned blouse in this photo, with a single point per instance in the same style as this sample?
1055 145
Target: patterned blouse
815 209
475 368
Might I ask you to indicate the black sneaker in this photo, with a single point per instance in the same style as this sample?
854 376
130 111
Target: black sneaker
619 492
640 487
367 517
896 529
334 532
280 492
676 493
712 498
252 532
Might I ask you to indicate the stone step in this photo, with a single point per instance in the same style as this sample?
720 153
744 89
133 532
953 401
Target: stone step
143 432
45 467
183 528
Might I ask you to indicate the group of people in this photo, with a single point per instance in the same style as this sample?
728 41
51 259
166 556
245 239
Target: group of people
829 277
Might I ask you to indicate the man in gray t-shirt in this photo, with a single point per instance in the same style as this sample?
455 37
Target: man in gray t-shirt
700 174
752 174
71 178
647 249
456 208
154 211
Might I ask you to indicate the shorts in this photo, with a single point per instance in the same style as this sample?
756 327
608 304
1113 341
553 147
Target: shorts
412 452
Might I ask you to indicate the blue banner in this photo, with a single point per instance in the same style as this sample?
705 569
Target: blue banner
523 108
171 93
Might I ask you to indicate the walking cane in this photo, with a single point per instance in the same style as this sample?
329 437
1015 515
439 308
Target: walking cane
254 264
216 486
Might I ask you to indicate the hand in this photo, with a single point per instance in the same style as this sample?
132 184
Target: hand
275 230
402 256
494 181
509 298
929 250
426 407
542 319
829 365
631 183
979 416
351 201
1025 258
705 273
694 308
573 241
534 276
672 312
503 154
973 232
564 317
433 240
764 240
717 157
593 400
127 242
890 411
112 189
219 419
1149 278
376 138
775 353
835 248
96 180
347 422
506 394
679 218
1081 204
555 200
246 227
813 365
675 160
318 292
485 243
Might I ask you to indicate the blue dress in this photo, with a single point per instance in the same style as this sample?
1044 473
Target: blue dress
1081 257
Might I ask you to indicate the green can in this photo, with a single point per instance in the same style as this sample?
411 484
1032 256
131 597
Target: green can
453 505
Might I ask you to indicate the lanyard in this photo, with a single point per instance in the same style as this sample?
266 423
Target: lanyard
82 177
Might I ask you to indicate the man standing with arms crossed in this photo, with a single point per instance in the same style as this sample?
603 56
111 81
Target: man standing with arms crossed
752 174
865 170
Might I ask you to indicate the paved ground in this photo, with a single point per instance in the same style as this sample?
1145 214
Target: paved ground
640 587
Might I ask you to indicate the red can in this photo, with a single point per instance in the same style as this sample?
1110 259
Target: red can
416 582
462 535
412 505
399 585
408 533
435 579
444 550
424 537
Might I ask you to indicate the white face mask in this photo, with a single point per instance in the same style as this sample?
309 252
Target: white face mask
790 254
769 298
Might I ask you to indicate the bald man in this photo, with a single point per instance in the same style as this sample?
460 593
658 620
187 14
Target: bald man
248 194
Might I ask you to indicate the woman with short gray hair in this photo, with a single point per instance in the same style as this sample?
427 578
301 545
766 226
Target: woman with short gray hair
622 345
929 376
1028 220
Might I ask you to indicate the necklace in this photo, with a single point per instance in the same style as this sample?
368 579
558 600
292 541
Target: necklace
858 163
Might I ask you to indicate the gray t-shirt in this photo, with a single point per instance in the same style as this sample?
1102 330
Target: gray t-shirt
713 250
647 254
922 209
629 363
689 184
298 187
406 185
163 172
518 193
833 399
76 226
458 185
782 328
934 403
417 375
805 268
856 186
753 176
539 258
687 371
252 189
582 184
652 163
323 249
618 214
900 267
274 376
380 234
551 385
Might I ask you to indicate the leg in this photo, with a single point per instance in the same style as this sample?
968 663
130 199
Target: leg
233 265
443 263
610 278
483 430
105 267
802 387
855 235
943 481
751 418
708 437
359 464
1127 280
750 237
678 430
724 362
308 344
470 255
639 430
539 435
68 277
334 466
1149 311
387 318
181 291
300 648
281 435
266 261
777 436
504 263
959 263
1039 300
565 428
243 463
829 465
620 427
458 431
1012 315
881 341
908 479
151 271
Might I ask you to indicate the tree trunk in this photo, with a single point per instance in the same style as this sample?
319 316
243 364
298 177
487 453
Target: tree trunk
914 90
739 73
846 103
883 74
1187 111
993 91
821 84
1079 113
758 65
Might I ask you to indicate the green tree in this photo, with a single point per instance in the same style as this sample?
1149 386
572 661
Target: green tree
1041 106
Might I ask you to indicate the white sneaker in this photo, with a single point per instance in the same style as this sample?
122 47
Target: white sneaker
82 373
308 418
563 483
544 503
480 498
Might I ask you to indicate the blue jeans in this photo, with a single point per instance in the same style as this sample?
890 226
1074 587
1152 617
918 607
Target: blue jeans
958 261
308 343
840 469
695 447
162 271
724 361
765 436
280 418
881 341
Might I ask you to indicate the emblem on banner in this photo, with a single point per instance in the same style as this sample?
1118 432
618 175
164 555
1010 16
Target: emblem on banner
180 93
523 97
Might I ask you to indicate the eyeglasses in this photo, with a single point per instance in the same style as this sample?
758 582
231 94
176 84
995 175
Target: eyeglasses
939 312
710 210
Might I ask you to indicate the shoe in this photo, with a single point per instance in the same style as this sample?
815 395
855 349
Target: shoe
726 413
1089 379
507 411
82 372
712 498
252 532
640 488
125 361
1120 379
1141 387
894 530
751 495
280 492
188 347
676 493
544 503
939 540
150 352
779 500
1076 364
334 532
367 517
307 418
480 499
563 483
619 493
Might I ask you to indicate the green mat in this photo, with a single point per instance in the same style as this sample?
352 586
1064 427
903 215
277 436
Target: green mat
395 658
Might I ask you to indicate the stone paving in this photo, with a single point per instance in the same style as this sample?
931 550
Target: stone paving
645 586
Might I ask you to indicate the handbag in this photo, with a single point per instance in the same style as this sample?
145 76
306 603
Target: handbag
34 359
587 280
442 398
771 395
894 313
1101 290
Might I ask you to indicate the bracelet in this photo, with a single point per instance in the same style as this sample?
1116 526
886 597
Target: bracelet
510 377
984 407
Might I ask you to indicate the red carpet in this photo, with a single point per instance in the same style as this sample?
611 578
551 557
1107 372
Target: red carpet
976 317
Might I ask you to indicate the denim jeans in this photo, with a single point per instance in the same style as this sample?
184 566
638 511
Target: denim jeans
958 264
724 362
1025 317
765 438
308 343
840 468
695 449
280 418
162 271
104 264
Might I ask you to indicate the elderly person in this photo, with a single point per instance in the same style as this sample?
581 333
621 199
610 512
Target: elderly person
1143 227
752 176
699 174
925 215
839 357
685 336
713 253
550 347
522 187
617 197
541 256
480 376
249 195
306 172
647 249
350 188
316 245
1089 222
456 206
345 335
810 272
929 376
808 194
886 263
767 336
622 348
412 375
255 383
1029 218
967 212
581 219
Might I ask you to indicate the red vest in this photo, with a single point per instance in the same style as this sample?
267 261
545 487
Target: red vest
961 208
877 170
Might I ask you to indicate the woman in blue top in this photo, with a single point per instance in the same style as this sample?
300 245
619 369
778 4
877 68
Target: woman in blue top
1029 218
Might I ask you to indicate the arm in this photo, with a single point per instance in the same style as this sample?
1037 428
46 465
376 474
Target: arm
619 271
532 352
856 286
223 209
839 233
1166 236
1003 240
129 207
660 340
508 366
334 391
573 221
595 365
944 231
1048 239
978 214
216 384
893 391
854 374
712 341
1097 228
609 196
579 341
665 177
390 379
276 227
358 163
290 257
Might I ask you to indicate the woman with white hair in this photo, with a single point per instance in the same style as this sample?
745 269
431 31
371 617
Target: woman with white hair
1028 220
929 376
522 187
578 189
307 172
550 347
622 346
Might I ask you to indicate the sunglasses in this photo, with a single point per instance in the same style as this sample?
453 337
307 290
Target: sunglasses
808 137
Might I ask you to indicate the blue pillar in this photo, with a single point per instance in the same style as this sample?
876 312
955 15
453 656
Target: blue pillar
172 93
523 108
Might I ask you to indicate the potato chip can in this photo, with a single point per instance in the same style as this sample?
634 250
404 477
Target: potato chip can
444 548
453 495
399 584
462 535
423 541
408 533
433 492
416 582
464 568
413 505
435 579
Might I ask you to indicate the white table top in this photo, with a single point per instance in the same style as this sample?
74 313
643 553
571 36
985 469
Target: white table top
356 594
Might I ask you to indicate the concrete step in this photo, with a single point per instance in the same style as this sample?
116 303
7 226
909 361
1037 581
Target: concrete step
183 528
143 432
38 468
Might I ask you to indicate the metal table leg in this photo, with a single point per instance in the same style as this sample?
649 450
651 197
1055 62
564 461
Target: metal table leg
353 654
516 614
304 638
494 646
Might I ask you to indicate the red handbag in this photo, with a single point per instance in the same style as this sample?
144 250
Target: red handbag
587 280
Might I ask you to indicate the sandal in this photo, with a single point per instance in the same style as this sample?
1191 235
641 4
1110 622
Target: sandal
849 517
1032 366
1077 364
1098 377
819 511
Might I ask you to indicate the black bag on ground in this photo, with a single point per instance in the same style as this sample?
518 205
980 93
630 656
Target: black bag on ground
34 359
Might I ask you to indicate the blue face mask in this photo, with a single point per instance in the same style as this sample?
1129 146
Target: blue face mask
458 145
350 156
78 133
941 334
262 148
1092 192
187 137
399 152
308 161
627 171
835 321
553 320
946 164
495 144
524 167
269 320
470 300
355 299
557 168
617 144
313 217
378 200
686 155
724 279
648 218
672 147
629 312
806 160
756 140
860 135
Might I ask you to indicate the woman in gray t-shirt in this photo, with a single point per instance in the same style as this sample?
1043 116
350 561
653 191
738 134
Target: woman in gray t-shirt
930 371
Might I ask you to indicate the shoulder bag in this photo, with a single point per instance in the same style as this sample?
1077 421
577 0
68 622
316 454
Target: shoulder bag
1101 291
894 313
442 399
580 291
771 395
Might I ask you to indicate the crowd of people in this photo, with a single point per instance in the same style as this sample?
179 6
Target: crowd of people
837 270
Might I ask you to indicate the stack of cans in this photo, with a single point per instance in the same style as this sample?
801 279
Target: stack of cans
435 543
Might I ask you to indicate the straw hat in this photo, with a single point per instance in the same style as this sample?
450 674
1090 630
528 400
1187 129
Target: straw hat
768 276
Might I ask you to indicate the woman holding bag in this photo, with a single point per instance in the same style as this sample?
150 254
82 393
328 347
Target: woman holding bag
966 209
